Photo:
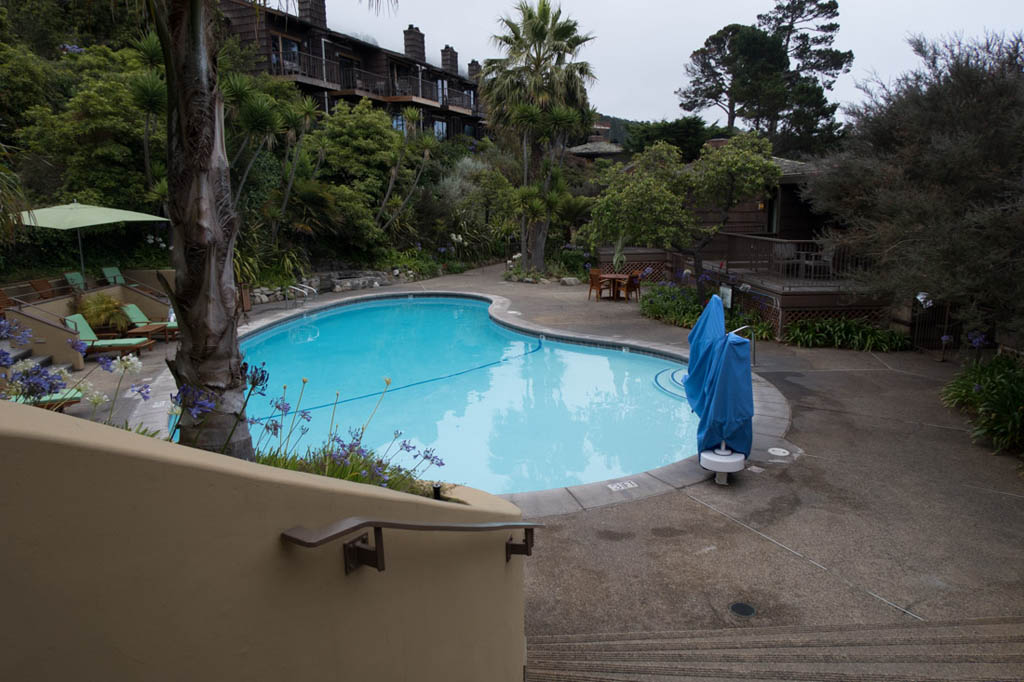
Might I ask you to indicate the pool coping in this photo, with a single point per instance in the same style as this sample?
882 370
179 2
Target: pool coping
772 414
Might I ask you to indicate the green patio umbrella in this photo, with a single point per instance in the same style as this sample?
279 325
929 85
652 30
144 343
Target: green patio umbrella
75 216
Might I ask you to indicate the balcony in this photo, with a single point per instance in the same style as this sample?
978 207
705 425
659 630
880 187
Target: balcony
782 265
306 68
456 99
412 88
363 83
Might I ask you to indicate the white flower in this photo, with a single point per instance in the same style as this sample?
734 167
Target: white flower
128 364
96 398
22 365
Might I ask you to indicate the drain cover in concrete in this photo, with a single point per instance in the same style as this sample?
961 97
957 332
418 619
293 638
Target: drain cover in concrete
778 452
622 485
741 609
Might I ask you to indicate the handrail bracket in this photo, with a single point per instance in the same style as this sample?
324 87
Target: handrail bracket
525 547
359 553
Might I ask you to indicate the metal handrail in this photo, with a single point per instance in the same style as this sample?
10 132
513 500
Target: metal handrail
753 342
358 552
305 295
306 287
37 308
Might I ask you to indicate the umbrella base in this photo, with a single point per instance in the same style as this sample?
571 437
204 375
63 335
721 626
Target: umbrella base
721 464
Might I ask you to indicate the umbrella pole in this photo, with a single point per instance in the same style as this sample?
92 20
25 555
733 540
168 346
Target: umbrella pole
81 258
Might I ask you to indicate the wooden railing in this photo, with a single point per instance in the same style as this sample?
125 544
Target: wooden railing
457 98
357 79
308 65
412 86
793 260
358 552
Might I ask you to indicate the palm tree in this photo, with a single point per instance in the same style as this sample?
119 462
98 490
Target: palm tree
204 223
149 92
533 91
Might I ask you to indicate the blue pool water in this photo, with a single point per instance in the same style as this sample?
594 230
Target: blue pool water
507 412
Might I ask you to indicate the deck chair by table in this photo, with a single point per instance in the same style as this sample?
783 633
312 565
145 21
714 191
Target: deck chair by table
96 345
633 286
75 280
113 276
146 326
597 285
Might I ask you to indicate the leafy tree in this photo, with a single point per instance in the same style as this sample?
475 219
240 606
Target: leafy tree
538 90
688 134
740 70
807 30
646 206
929 184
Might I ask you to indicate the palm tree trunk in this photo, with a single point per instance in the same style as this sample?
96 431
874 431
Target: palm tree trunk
204 227
145 152
288 189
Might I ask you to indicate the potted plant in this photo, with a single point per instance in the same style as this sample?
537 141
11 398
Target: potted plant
104 311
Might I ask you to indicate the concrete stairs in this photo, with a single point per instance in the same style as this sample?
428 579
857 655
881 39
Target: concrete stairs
18 354
964 650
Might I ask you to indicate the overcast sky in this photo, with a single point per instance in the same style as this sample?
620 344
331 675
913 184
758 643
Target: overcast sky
640 47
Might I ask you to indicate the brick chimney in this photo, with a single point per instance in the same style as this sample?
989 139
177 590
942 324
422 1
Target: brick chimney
450 59
415 44
474 70
314 11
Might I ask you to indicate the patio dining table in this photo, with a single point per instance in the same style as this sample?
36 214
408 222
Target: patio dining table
618 280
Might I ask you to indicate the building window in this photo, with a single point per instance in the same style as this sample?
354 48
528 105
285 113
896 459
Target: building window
284 54
398 122
441 130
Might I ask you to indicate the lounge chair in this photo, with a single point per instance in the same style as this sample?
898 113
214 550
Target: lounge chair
5 302
55 401
113 276
95 344
146 326
42 287
75 280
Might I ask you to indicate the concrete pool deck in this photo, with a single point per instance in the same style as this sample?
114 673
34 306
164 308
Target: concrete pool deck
891 515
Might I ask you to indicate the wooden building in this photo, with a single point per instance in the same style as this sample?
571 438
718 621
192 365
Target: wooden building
331 66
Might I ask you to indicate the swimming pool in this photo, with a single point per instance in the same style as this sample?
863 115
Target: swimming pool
506 411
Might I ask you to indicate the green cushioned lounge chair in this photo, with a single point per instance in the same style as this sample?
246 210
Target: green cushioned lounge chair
75 280
145 325
113 276
96 345
55 401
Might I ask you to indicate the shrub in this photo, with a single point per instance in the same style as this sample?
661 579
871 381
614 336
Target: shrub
103 310
679 306
854 334
992 395
415 260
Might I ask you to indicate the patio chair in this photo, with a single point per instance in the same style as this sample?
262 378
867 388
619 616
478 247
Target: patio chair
75 280
633 286
42 287
95 344
784 256
146 326
597 285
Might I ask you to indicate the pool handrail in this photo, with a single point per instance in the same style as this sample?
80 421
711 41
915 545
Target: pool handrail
358 552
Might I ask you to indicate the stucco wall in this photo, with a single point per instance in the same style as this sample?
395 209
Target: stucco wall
123 557
49 335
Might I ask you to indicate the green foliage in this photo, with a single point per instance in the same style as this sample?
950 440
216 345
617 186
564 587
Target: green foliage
644 207
930 181
740 170
740 70
103 310
681 307
358 145
688 134
992 395
854 334
410 260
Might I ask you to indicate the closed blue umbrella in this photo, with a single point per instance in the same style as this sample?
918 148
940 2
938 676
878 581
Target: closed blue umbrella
705 337
729 402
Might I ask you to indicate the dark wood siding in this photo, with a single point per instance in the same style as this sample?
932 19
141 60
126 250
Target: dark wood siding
796 221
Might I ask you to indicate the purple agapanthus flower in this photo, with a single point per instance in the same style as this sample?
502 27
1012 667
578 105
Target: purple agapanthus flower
5 358
80 346
281 405
35 382
141 390
256 378
195 400
106 363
